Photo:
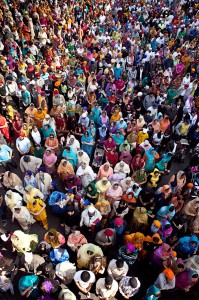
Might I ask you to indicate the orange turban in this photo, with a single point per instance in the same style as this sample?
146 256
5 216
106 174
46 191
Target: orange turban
169 273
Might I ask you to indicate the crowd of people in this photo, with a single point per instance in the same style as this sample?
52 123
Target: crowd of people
98 101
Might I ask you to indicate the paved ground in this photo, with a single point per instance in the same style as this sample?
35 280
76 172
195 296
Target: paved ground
142 269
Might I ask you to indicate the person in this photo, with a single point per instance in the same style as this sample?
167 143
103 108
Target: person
66 294
32 262
165 280
122 168
6 284
65 271
76 239
114 193
91 193
120 209
23 216
187 245
12 199
70 155
90 218
71 217
28 286
186 280
22 242
86 174
104 171
128 253
84 281
49 160
5 155
23 144
54 238
106 288
31 163
29 179
43 180
12 181
64 169
37 209
153 293
129 286
117 269
106 237
139 219
85 253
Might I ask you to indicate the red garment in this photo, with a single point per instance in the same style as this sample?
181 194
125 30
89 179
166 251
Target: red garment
17 124
112 158
137 162
5 130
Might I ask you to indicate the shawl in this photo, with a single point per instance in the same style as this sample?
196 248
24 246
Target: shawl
68 169
49 159
23 243
140 215
137 162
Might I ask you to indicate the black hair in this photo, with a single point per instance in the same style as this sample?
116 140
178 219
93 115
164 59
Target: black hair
133 282
85 276
119 263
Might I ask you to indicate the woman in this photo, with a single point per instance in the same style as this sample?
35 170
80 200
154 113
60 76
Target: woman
165 212
126 184
186 280
112 157
126 157
23 216
102 133
162 164
46 131
91 193
87 142
28 286
54 238
12 199
36 136
153 179
103 119
114 193
140 176
104 171
23 242
30 192
85 253
37 208
52 143
70 155
29 179
86 174
112 129
139 219
153 293
150 156
49 160
164 124
140 122
60 125
97 264
73 182
39 151
161 254
180 179
64 169
118 138
136 239
137 162
104 208
102 187
16 125
165 230
120 209
109 144
120 86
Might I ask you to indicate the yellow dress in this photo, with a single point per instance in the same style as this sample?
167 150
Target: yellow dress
42 217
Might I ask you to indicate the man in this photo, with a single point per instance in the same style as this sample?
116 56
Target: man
106 237
166 280
84 281
106 288
29 162
43 180
129 286
5 155
90 218
32 262
23 144
117 268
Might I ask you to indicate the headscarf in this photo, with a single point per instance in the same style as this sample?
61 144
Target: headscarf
53 242
180 182
140 215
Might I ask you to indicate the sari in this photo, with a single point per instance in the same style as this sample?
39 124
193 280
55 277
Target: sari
112 158
126 157
65 170
42 217
161 254
109 145
71 156
104 173
150 160
58 239
183 280
166 157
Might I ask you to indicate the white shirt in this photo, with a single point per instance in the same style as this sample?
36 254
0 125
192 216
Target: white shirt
83 284
103 292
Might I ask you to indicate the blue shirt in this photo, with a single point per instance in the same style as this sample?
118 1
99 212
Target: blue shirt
4 153
23 145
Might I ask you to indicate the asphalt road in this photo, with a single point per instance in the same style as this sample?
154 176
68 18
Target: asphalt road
142 270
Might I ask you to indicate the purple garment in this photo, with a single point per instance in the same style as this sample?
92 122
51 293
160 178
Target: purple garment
113 130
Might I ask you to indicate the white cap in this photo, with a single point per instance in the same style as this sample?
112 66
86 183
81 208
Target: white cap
91 209
28 257
139 94
23 87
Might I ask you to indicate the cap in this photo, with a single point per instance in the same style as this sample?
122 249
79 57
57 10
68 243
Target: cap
91 209
169 273
119 221
139 94
22 134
